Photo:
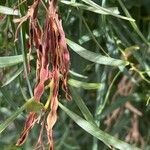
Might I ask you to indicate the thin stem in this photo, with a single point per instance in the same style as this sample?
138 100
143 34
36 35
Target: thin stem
101 107
25 62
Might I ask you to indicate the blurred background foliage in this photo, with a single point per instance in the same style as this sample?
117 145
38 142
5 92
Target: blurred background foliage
116 92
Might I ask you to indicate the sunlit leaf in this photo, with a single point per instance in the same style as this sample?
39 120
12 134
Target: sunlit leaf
92 9
95 57
84 85
96 6
8 61
77 74
86 38
8 11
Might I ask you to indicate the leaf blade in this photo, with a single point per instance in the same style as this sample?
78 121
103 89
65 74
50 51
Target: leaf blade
96 132
29 106
84 85
8 121
9 11
95 57
8 61
83 108
12 78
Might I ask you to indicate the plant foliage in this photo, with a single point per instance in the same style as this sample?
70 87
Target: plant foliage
108 74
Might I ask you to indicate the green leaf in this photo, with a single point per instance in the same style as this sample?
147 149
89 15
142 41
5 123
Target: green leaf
133 24
9 11
12 78
8 61
84 85
25 57
97 9
96 6
77 74
83 108
87 37
148 101
118 103
95 57
7 122
102 106
96 132
92 9
32 105
7 97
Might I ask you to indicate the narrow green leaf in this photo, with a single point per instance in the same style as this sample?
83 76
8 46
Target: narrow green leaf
7 122
30 105
118 103
8 11
25 59
94 5
148 101
92 36
95 57
84 85
7 97
12 78
97 9
96 132
77 74
92 9
87 37
8 61
133 24
102 106
83 108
